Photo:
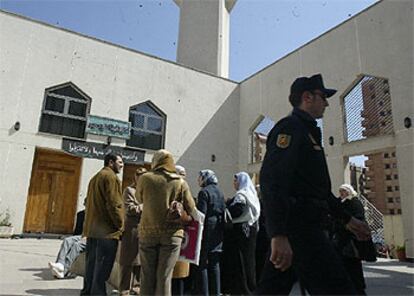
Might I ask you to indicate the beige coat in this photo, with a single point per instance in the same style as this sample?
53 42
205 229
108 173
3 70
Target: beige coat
129 243
104 210
156 190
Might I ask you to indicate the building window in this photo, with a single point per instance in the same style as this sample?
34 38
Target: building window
396 177
147 126
391 211
257 137
64 112
386 155
397 199
399 211
397 188
390 200
393 154
388 177
387 166
394 165
389 189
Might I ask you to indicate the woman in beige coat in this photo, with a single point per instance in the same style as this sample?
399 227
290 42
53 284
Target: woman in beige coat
160 240
181 269
129 244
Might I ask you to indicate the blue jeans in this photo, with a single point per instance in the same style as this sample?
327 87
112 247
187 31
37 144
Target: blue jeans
100 257
70 249
208 275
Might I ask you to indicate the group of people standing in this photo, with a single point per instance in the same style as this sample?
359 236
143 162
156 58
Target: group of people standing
297 202
295 186
151 241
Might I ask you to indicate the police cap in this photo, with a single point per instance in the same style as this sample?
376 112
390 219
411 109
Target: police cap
314 82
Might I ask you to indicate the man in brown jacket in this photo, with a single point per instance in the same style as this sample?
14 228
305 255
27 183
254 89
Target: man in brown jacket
103 226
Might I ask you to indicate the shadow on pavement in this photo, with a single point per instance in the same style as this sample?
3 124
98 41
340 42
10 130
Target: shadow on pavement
42 273
63 292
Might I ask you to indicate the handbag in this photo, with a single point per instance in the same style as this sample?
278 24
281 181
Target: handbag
176 213
191 245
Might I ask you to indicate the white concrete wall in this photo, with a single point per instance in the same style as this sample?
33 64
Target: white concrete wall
35 56
378 42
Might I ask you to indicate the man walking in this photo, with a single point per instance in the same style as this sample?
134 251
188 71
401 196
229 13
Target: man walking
104 222
296 191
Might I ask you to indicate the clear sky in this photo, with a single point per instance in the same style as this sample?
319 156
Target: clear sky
261 31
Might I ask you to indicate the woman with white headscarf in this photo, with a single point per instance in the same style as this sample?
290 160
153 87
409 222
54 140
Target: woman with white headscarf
240 241
344 241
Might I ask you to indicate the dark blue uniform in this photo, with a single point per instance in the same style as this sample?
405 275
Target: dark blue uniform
296 192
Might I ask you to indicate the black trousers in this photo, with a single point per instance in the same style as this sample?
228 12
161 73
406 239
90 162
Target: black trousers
315 263
354 268
239 260
100 257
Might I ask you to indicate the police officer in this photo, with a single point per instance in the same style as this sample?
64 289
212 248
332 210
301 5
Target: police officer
296 191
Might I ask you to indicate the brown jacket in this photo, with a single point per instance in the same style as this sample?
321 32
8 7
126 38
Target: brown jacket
156 190
104 211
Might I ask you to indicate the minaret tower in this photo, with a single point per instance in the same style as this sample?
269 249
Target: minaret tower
203 41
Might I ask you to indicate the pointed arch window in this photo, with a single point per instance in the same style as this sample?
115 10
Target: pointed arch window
64 112
258 137
147 126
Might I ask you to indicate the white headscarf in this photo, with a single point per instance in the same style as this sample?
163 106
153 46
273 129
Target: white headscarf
180 170
247 189
350 190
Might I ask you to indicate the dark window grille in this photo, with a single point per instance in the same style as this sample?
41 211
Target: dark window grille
64 112
147 126
367 109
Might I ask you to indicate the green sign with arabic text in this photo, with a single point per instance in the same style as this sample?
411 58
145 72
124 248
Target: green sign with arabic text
109 127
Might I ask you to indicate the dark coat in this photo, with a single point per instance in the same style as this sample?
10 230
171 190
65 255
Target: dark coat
342 237
294 178
210 201
80 218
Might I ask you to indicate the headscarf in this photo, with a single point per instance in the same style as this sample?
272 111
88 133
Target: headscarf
140 171
247 189
350 190
164 161
207 177
180 170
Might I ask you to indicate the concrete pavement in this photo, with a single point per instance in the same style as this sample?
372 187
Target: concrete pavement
24 271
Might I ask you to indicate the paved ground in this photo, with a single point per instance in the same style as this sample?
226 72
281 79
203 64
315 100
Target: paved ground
24 271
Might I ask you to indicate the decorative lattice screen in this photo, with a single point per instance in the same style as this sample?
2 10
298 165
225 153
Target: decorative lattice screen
367 109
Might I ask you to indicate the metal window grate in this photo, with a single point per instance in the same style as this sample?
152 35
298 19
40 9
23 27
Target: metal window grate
367 109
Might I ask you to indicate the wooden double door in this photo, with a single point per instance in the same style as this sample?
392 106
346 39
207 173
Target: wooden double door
53 193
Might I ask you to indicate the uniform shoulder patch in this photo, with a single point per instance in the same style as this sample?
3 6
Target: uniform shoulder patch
283 141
